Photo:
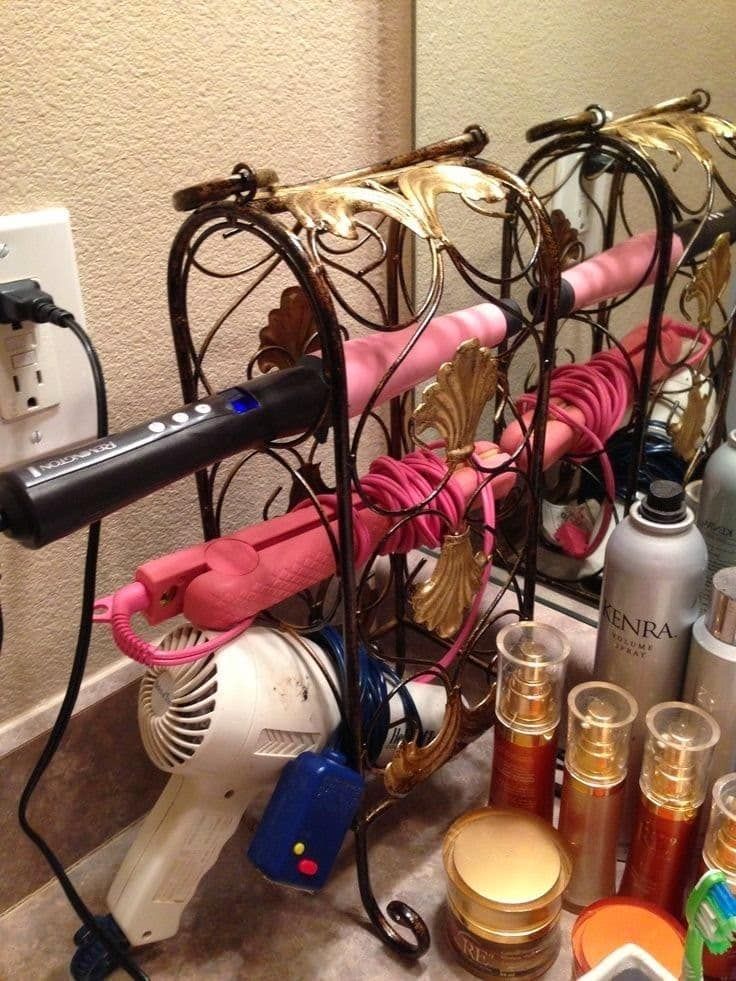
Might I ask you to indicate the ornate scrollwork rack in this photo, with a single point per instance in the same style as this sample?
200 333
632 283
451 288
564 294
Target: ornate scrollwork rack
300 268
666 164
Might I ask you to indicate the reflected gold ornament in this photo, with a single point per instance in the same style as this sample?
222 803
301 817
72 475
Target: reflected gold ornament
687 432
670 131
571 249
710 280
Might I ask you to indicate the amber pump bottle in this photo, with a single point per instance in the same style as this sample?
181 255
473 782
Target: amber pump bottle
719 852
599 720
677 752
531 670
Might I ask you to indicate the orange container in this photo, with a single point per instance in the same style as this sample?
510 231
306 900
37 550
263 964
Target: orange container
610 923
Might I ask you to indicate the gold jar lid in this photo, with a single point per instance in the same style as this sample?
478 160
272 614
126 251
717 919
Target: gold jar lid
506 871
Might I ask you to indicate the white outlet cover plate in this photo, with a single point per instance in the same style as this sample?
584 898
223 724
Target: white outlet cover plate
39 246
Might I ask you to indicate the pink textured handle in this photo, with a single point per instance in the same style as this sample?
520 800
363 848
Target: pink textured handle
368 358
166 578
618 270
217 599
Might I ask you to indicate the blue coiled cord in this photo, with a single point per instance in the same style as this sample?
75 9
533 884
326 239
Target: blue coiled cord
375 675
660 462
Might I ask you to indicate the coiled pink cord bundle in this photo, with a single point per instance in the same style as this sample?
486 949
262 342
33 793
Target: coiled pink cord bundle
394 487
602 391
400 485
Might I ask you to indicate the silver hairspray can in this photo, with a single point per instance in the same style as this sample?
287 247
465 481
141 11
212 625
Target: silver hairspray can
710 680
653 573
717 512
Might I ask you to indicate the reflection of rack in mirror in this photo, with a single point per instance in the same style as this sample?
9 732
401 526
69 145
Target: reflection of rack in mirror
667 222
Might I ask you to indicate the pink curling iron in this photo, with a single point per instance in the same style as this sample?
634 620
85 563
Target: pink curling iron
54 496
222 585
631 264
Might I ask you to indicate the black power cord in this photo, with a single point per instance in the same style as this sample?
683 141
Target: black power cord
24 300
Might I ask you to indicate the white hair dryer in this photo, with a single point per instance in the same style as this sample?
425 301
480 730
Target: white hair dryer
224 727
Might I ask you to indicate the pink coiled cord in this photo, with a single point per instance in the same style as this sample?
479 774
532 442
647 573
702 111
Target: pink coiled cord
602 390
118 609
394 486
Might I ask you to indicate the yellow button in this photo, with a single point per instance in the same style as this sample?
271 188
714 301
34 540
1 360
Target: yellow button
299 848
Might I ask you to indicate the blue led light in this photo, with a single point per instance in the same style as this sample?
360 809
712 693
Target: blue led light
244 403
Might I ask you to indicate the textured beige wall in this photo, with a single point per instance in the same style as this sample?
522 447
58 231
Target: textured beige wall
511 65
107 107
508 66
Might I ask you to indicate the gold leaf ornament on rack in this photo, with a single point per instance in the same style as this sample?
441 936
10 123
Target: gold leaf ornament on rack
452 407
290 333
333 207
422 185
453 404
461 725
440 603
710 280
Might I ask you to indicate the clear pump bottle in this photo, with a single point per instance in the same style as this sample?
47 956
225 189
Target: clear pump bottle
531 671
599 720
674 776
719 853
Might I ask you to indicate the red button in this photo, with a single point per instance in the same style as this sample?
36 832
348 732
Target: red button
307 866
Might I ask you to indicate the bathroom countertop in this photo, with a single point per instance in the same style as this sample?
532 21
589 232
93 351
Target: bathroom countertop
240 926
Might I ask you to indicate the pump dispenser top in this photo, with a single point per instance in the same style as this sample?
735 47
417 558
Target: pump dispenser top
720 838
532 660
677 754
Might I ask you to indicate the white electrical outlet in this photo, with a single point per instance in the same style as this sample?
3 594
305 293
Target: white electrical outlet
29 380
47 395
583 200
568 197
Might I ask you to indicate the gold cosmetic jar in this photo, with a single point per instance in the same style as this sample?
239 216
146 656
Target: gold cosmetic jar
506 872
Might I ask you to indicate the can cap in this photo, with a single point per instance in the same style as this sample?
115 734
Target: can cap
664 503
721 618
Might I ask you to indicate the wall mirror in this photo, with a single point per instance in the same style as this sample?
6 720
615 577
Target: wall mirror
512 67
